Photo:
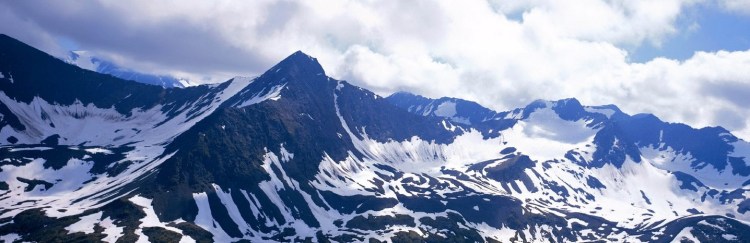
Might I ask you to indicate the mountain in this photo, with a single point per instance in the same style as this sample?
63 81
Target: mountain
294 155
85 60
456 110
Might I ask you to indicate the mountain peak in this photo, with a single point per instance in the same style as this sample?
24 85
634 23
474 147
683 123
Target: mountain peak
300 63
404 95
299 53
568 101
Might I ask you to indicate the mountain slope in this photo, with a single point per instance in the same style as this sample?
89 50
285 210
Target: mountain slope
85 135
294 155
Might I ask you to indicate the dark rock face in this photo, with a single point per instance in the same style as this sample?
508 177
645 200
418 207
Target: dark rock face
294 155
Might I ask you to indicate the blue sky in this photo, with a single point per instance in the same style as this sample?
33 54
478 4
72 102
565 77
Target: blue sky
705 27
683 60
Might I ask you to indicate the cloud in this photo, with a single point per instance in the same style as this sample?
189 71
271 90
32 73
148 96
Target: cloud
704 90
143 36
27 31
731 91
502 54
618 22
739 6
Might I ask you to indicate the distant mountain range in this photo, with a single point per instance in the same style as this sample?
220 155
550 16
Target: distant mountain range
85 60
294 155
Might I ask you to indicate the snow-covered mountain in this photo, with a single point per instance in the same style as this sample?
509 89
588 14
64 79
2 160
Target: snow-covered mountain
455 110
85 60
294 155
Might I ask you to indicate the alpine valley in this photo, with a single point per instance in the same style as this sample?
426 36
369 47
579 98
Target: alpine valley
294 155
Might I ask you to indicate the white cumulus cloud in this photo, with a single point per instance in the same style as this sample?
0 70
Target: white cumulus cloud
740 6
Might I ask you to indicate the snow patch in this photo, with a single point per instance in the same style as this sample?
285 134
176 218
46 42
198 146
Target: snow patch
65 180
729 237
545 136
151 220
273 93
87 223
10 237
666 158
205 219
601 110
99 151
446 109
